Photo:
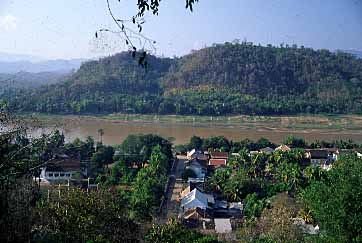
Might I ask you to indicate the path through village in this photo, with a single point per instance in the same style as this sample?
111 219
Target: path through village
172 205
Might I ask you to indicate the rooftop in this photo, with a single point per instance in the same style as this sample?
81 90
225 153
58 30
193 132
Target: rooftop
195 195
267 150
217 162
219 155
283 148
222 226
318 153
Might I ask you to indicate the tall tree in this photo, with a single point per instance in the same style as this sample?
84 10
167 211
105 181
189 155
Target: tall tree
101 133
335 201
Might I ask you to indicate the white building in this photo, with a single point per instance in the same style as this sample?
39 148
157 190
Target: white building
61 170
359 152
54 175
194 199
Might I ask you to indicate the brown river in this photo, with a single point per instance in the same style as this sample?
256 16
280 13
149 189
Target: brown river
180 130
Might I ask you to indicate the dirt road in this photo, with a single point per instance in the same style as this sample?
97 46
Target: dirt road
171 208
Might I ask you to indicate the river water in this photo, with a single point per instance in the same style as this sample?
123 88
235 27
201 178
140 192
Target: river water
115 131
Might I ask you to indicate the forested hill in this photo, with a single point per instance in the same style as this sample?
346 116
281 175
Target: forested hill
218 80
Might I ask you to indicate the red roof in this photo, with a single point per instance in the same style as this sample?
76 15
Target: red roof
219 155
217 162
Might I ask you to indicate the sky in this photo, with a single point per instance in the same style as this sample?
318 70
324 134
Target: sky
66 28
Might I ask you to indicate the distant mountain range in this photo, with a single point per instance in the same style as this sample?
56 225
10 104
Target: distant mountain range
13 63
58 66
25 71
29 80
9 57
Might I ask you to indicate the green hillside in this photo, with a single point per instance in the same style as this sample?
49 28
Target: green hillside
218 80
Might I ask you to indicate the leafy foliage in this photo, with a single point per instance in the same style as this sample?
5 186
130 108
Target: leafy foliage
294 142
20 160
253 206
102 157
137 149
149 186
175 232
275 224
335 201
78 216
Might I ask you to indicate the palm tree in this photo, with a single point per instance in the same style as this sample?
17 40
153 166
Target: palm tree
235 162
306 215
297 155
245 157
232 191
219 179
101 133
295 176
283 173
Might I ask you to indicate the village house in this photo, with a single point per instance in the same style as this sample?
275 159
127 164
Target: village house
283 148
358 152
196 215
317 156
190 154
216 163
218 159
267 150
322 158
224 209
195 199
61 169
190 187
219 155
196 154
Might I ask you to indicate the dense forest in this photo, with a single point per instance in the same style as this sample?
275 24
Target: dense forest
225 79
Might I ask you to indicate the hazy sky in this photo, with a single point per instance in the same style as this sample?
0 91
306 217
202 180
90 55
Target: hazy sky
65 28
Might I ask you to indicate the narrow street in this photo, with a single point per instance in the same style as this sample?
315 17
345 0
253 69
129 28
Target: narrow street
171 207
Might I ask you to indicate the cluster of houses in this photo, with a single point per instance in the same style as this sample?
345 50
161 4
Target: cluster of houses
200 209
322 157
197 208
325 157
